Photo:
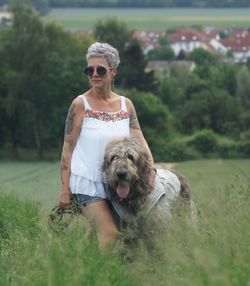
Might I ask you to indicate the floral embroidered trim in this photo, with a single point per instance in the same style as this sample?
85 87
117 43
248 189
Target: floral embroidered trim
105 116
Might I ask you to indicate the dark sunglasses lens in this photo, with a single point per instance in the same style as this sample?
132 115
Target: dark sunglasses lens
89 71
101 71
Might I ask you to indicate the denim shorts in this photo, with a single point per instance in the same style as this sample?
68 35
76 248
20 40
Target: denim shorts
84 200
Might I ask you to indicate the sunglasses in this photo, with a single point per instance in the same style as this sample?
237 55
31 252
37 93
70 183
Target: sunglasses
101 71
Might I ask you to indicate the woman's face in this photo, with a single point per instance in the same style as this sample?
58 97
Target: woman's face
99 72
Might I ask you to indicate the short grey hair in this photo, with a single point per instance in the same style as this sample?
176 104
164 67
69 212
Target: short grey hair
104 50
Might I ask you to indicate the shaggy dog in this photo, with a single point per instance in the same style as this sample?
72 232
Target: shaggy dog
127 168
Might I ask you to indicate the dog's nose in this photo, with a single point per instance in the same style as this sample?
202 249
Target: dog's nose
121 174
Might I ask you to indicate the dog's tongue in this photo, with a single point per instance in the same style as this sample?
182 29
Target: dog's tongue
122 191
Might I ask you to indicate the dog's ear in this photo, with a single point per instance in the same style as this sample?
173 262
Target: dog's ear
105 164
107 153
143 167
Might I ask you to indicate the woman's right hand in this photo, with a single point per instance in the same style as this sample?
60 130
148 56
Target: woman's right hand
64 199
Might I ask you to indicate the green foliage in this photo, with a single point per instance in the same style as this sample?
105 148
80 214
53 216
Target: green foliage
214 252
195 84
18 231
16 217
42 63
31 253
224 76
244 148
161 53
136 77
201 56
212 109
116 33
41 6
41 74
153 117
204 141
150 110
171 88
175 150
243 86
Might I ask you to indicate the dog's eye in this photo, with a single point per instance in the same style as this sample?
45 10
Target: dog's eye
112 158
131 157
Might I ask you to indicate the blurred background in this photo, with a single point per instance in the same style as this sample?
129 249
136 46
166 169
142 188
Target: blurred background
184 63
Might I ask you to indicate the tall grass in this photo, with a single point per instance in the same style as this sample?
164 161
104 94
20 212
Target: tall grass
216 252
32 255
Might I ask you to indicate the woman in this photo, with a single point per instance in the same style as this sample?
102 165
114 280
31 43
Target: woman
95 118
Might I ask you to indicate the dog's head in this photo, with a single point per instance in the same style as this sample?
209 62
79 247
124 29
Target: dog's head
126 166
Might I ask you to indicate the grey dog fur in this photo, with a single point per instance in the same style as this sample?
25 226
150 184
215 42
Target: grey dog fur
129 157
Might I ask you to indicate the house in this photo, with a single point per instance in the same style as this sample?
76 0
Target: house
149 39
238 43
187 39
5 19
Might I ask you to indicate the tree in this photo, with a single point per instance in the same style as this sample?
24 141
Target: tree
44 66
132 72
195 85
224 77
195 113
200 56
153 116
114 32
243 86
3 87
161 53
224 112
24 43
42 6
211 109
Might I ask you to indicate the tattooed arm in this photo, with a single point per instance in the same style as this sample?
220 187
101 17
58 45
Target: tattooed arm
135 131
72 131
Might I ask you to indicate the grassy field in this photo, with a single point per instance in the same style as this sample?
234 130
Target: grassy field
135 18
39 181
216 253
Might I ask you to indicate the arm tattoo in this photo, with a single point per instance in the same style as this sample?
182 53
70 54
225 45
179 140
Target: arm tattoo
64 164
70 119
133 121
64 167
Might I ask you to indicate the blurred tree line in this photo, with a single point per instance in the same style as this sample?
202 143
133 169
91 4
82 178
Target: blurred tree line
43 5
184 115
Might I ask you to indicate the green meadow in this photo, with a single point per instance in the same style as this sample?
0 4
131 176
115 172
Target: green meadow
215 252
143 18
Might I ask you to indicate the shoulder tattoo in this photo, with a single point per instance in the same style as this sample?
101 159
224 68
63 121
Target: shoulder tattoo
70 119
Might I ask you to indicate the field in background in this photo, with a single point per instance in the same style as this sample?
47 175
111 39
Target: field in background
36 181
39 181
216 252
136 18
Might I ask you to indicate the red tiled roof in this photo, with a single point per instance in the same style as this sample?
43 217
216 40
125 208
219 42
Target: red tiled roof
186 35
237 44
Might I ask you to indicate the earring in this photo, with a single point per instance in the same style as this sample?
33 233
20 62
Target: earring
90 85
112 82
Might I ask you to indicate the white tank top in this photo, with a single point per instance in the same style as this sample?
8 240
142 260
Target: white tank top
98 128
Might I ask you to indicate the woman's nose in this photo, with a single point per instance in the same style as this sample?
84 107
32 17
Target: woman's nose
95 73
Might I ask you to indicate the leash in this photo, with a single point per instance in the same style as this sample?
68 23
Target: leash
60 218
